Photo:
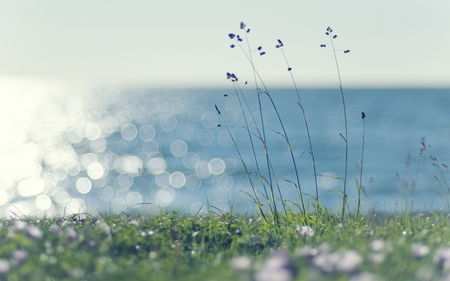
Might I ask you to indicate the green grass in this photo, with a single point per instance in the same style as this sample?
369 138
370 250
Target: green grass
170 246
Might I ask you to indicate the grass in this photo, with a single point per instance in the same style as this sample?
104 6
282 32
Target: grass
224 246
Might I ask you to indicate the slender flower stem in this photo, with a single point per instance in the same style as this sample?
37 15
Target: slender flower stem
359 187
311 151
345 137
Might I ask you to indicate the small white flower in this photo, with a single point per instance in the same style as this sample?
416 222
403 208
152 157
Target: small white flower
348 261
241 264
19 225
4 266
419 250
305 231
380 245
277 267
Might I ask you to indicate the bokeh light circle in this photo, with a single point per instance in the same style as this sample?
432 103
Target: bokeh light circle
129 132
216 166
95 171
177 179
328 180
193 182
178 148
43 202
164 197
147 132
190 160
205 137
168 122
83 185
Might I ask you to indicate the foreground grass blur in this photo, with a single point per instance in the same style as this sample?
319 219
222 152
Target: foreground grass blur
223 246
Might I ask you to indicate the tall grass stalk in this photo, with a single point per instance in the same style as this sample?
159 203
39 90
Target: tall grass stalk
359 185
247 172
264 90
280 46
345 136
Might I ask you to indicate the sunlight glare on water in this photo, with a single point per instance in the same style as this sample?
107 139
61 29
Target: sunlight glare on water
72 148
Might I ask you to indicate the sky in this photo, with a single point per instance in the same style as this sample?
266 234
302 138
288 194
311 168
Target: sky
401 43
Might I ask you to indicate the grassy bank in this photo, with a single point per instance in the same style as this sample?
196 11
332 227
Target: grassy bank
225 247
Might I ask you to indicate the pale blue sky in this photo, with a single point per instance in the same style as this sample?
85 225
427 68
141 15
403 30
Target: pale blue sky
184 43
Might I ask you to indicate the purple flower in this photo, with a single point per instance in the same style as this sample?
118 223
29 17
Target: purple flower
19 256
71 234
289 68
242 25
259 48
346 51
277 267
323 45
419 251
232 46
442 256
248 30
262 53
280 44
232 76
33 232
335 36
231 35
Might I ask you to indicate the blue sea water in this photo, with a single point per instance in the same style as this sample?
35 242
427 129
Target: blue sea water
170 149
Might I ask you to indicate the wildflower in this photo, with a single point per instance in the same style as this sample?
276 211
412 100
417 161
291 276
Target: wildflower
19 225
346 51
232 76
377 258
55 230
364 276
326 261
4 266
380 245
33 232
280 44
19 256
71 234
242 25
363 115
345 261
231 35
241 264
277 267
419 250
305 231
348 261
442 257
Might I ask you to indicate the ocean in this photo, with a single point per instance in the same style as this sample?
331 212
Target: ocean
148 150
